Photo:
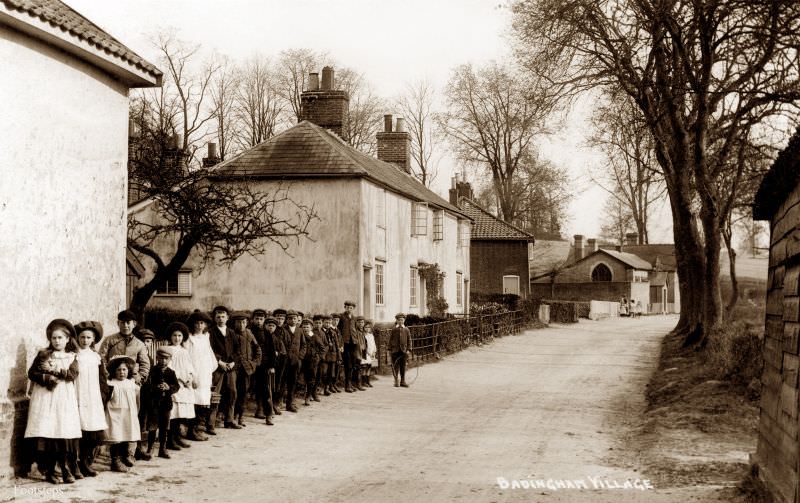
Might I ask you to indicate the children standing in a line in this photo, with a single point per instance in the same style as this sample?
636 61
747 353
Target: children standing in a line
204 362
92 391
163 384
370 359
183 399
122 414
53 418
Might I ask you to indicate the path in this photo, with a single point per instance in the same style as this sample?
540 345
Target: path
546 404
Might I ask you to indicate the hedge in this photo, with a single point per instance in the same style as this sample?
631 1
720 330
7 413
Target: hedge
563 311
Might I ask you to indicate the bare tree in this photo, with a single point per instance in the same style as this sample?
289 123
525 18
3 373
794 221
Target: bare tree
190 86
293 68
617 220
365 115
702 74
631 175
416 105
223 93
258 106
492 118
542 191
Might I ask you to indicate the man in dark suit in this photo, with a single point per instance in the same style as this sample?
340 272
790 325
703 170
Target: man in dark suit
248 358
295 345
349 334
224 344
280 361
400 348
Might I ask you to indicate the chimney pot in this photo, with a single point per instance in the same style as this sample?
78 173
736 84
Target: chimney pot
212 150
631 238
578 246
453 181
327 78
313 81
400 127
387 123
133 131
592 245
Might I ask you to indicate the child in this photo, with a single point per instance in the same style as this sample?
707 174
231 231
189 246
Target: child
53 418
92 391
357 355
315 350
328 361
122 414
148 424
337 368
370 359
198 345
183 399
163 384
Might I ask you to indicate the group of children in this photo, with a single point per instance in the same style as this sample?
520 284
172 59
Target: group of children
632 308
133 389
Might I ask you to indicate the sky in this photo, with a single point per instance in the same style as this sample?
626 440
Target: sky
391 43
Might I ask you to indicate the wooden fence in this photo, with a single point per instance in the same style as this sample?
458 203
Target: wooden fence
439 339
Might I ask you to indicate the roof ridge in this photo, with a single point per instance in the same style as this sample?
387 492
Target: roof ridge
479 207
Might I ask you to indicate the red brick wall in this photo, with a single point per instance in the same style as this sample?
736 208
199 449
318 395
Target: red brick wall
608 291
491 260
327 109
395 147
778 446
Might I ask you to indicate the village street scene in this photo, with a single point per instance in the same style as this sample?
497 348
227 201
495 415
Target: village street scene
527 250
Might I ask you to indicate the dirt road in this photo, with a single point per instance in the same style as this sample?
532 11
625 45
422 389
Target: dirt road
552 404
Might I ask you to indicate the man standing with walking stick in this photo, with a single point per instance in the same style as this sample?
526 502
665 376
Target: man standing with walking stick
400 348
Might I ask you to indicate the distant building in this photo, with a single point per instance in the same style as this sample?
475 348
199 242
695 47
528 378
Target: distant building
499 251
64 125
383 240
644 273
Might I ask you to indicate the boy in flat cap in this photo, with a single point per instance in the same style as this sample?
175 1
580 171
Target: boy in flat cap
248 357
224 343
147 415
295 351
358 354
347 327
328 362
266 367
280 361
124 343
163 384
337 368
315 346
399 348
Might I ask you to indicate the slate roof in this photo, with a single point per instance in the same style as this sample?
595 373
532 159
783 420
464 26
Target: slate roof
60 15
665 253
489 227
781 179
627 258
547 255
307 150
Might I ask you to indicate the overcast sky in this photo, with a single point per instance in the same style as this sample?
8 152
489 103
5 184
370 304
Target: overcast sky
391 43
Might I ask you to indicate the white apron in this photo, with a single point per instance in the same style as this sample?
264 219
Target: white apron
204 363
87 386
183 399
122 413
54 414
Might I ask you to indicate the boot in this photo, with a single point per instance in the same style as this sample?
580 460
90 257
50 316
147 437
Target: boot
73 468
170 443
175 433
50 473
260 412
366 381
240 422
326 391
403 383
314 395
210 420
162 452
396 383
306 401
85 467
194 432
66 475
118 453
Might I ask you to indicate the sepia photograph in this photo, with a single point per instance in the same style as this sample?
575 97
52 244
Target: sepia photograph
370 251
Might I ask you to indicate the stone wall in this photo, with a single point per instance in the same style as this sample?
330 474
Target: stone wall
777 453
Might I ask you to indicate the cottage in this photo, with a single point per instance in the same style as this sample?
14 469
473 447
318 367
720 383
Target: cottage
64 92
778 200
499 251
383 239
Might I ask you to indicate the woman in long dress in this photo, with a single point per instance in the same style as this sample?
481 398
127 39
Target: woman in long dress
54 426
198 345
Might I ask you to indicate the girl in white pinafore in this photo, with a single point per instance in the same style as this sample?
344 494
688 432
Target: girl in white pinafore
122 411
54 427
183 400
198 345
91 387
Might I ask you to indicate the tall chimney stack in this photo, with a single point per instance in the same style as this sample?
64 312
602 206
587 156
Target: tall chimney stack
631 238
394 146
591 246
323 105
212 158
459 188
578 246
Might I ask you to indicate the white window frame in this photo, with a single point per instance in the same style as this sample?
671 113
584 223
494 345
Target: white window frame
183 285
463 234
519 286
380 280
459 288
419 219
414 287
438 225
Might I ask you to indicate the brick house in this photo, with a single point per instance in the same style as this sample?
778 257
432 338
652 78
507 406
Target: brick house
64 124
778 451
382 239
499 251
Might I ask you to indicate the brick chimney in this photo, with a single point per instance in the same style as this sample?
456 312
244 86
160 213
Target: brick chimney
459 188
395 146
212 158
591 246
578 246
631 238
323 105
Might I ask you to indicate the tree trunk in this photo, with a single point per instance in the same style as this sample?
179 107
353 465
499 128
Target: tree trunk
734 298
142 295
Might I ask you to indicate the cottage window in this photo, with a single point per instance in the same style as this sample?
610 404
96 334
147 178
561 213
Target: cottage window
438 225
413 300
179 284
601 272
459 291
379 284
419 219
462 234
380 209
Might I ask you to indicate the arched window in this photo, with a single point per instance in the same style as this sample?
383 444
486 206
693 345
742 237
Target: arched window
601 272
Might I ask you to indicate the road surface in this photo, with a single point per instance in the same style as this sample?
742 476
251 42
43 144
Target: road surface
546 405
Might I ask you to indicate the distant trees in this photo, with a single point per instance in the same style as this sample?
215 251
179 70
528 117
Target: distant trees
416 104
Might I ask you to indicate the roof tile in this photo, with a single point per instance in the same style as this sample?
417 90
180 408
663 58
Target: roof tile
488 226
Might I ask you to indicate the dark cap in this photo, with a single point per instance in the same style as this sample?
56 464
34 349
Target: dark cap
145 333
349 303
291 312
306 321
317 317
164 351
327 317
259 312
399 315
360 318
239 315
272 320
94 326
279 312
126 315
335 315
220 308
300 314
60 323
198 315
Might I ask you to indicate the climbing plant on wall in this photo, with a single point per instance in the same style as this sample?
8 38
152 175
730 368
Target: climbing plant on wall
433 279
